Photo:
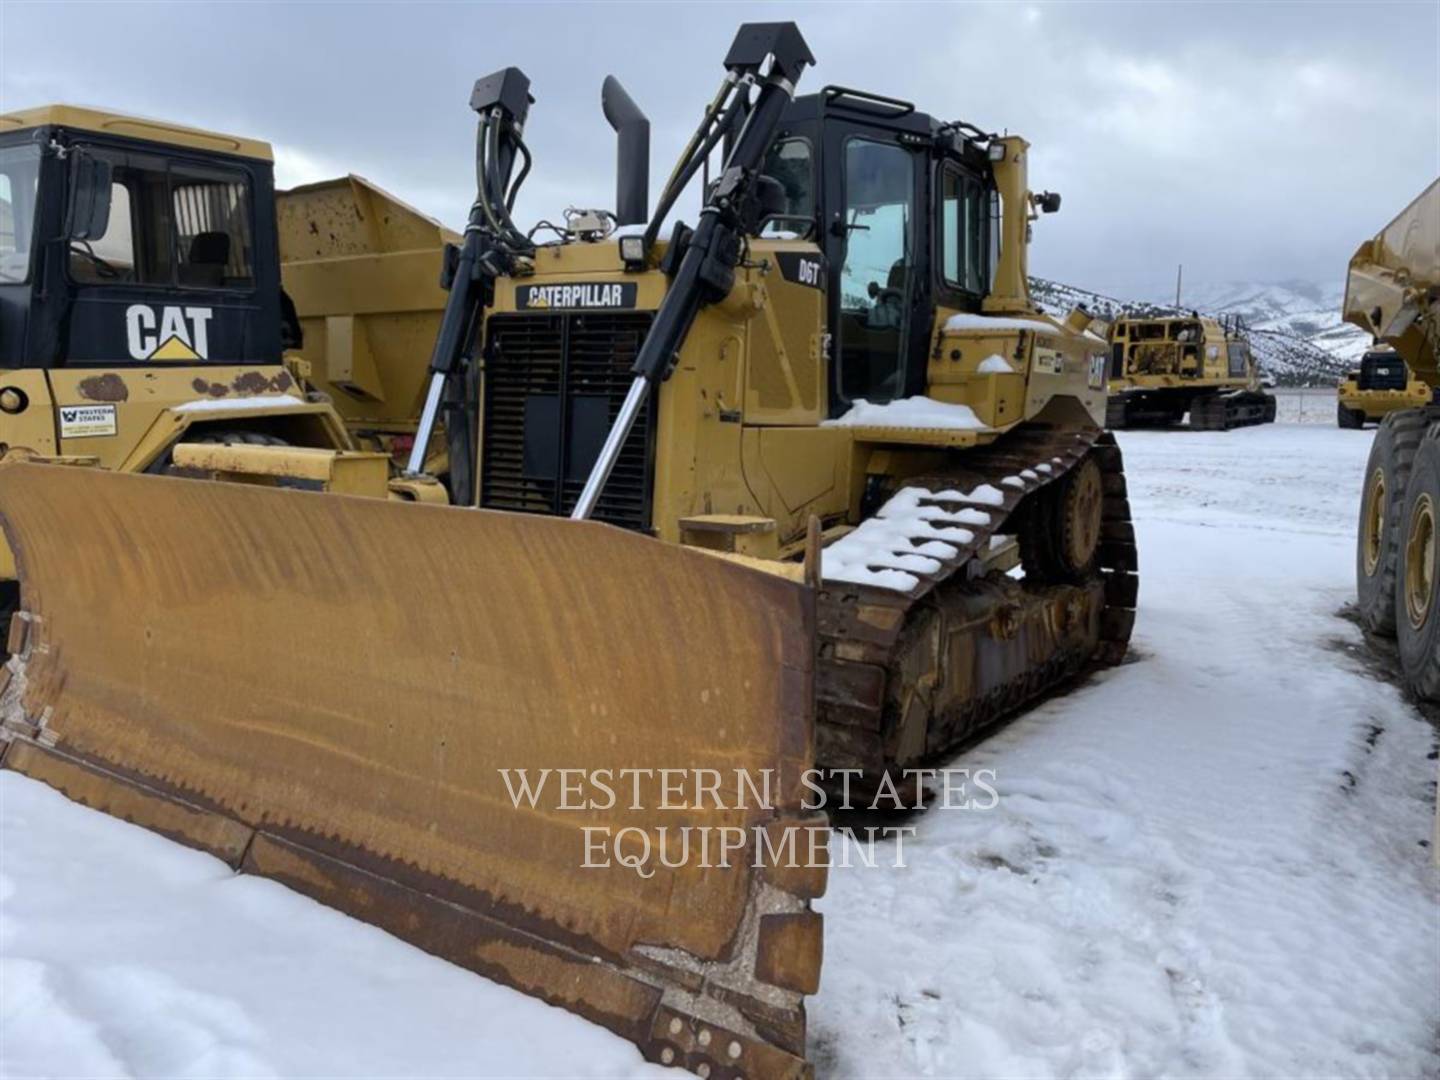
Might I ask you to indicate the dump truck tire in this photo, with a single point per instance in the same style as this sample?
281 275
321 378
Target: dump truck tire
1417 584
9 604
1348 418
1387 472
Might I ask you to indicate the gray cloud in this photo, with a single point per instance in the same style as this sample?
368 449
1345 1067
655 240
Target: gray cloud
1250 141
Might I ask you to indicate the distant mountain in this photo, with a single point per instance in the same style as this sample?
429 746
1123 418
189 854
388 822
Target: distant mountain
1295 326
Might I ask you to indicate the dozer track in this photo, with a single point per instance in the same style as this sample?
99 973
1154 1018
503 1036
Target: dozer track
905 676
323 690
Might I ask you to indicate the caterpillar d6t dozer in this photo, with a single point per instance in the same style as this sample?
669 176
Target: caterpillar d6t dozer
1163 368
1382 384
1393 292
849 501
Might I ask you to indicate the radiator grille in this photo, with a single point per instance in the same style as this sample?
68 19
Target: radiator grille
554 384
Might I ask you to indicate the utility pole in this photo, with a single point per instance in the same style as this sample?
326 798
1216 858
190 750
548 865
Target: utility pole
1179 271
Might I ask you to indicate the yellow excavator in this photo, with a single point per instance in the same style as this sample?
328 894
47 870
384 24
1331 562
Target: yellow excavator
810 486
1393 292
1162 369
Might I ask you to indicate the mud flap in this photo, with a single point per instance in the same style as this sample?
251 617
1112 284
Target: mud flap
326 690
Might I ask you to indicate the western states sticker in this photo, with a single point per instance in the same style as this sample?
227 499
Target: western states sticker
87 421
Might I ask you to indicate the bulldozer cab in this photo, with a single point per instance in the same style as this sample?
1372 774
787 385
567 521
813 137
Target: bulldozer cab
129 243
904 212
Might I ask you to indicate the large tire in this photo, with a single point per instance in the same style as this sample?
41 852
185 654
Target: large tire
1376 535
1417 583
1348 418
1059 534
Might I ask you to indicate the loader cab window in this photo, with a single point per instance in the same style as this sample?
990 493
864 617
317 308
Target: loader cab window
875 277
171 225
964 221
790 163
19 177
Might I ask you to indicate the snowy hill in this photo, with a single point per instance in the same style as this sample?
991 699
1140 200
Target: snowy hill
1295 327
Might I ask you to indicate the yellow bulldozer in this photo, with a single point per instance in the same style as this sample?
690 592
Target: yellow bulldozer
1393 292
809 488
1382 384
1162 369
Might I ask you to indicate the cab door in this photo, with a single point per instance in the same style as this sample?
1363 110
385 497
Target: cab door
876 250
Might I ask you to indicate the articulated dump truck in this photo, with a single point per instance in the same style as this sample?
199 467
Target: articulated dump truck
1162 369
1393 292
811 485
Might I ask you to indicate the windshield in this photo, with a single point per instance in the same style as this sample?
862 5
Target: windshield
19 175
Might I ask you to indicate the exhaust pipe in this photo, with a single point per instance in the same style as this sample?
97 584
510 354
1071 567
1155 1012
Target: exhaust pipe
632 170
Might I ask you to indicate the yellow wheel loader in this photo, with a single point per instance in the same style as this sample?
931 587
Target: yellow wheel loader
811 485
1382 384
1393 292
1164 368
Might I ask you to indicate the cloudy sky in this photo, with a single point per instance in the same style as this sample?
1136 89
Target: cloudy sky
1250 141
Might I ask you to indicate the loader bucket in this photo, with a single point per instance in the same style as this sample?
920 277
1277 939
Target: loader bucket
325 689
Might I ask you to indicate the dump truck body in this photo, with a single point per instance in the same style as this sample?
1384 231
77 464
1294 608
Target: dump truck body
1161 369
363 270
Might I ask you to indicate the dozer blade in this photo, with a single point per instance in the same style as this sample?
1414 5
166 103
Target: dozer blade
324 689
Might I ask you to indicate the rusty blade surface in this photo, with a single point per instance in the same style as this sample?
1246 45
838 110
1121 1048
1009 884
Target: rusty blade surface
346 678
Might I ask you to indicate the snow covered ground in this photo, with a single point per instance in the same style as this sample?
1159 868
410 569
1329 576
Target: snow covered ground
1207 862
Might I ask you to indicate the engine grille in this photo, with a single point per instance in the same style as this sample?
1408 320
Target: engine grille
554 384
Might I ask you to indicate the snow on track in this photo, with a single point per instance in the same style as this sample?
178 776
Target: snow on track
1206 862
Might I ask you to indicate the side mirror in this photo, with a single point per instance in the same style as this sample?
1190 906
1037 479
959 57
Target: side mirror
1049 201
88 214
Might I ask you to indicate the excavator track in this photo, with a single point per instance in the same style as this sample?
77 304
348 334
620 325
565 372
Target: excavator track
1237 408
905 674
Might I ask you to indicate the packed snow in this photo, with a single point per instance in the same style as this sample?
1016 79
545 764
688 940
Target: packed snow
1208 862
995 364
997 324
280 401
910 412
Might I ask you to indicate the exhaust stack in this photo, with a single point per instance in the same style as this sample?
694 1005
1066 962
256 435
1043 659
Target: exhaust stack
632 169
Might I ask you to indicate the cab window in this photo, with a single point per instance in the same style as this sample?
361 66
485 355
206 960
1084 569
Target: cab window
875 278
19 175
963 212
171 225
1239 359
790 164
